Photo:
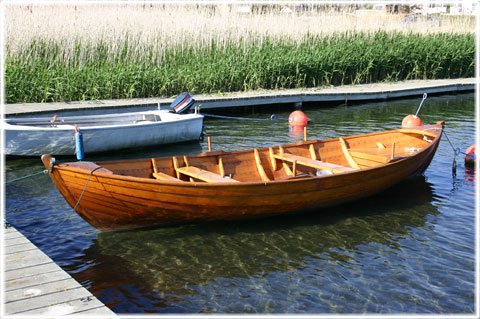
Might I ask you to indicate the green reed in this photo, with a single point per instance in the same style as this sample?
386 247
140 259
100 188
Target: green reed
68 70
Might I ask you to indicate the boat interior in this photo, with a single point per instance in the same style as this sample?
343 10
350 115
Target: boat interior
301 160
97 120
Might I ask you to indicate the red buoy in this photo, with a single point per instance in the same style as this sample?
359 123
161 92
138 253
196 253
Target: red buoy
470 156
411 121
297 121
298 118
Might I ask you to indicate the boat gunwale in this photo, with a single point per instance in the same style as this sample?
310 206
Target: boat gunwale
97 116
98 125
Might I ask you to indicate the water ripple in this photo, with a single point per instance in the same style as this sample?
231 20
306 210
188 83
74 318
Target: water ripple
408 250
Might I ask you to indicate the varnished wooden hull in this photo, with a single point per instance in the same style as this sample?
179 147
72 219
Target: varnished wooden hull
124 194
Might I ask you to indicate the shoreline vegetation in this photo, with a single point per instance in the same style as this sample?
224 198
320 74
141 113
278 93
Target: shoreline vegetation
84 52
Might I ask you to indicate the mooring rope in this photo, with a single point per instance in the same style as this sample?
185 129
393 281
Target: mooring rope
24 177
273 117
8 225
88 179
455 150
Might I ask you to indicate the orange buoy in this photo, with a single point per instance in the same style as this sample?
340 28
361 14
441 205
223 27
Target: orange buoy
411 121
298 118
297 122
470 156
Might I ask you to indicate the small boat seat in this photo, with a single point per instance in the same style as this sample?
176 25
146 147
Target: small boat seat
162 176
204 175
334 168
378 155
380 158
165 177
369 157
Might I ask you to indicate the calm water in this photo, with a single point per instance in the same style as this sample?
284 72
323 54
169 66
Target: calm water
407 250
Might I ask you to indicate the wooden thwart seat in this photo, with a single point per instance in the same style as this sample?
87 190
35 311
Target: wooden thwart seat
204 175
378 155
165 177
371 157
334 168
162 176
365 157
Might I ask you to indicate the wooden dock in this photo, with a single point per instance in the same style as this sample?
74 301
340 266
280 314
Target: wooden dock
35 285
341 94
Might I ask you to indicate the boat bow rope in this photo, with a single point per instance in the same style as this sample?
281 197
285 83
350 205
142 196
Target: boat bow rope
84 188
27 176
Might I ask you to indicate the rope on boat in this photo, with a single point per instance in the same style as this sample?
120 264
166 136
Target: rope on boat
30 175
273 117
88 179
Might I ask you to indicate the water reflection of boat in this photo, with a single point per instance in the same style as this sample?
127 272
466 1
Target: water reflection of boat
243 184
172 261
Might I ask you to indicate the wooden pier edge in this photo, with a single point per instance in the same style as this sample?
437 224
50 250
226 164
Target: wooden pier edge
33 284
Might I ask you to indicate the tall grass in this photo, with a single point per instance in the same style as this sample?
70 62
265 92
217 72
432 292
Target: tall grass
70 59
47 71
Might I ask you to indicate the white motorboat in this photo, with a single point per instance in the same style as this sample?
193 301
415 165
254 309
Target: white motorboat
101 133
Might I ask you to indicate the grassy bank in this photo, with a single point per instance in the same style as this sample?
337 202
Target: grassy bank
63 52
56 70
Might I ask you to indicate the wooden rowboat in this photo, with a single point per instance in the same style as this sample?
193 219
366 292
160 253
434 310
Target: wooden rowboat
243 184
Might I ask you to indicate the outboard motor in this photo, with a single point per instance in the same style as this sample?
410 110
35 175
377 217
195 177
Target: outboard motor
182 103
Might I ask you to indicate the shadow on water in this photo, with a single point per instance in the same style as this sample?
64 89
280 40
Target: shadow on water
172 261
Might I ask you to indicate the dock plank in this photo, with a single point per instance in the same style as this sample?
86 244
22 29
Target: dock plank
101 310
81 306
35 280
47 301
16 241
12 249
20 260
9 230
30 271
12 235
39 289
35 285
